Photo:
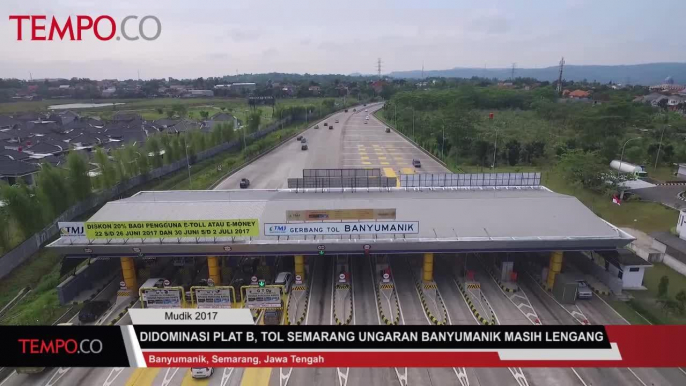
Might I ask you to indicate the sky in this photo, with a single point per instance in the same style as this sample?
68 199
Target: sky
202 38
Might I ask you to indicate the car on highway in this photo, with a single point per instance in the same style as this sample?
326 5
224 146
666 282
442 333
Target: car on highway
583 290
354 110
346 110
285 279
201 372
303 140
388 129
92 310
365 122
299 138
336 120
416 163
367 117
244 183
303 147
326 124
330 127
365 110
316 127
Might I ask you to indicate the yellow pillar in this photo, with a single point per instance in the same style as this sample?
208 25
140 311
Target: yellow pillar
300 266
128 270
428 267
554 267
214 269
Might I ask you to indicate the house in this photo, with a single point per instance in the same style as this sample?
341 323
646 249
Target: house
7 123
67 117
579 94
45 148
201 93
224 117
109 92
315 90
11 171
12 154
240 87
625 265
50 159
184 126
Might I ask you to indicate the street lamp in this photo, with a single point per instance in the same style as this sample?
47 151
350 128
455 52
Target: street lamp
495 147
660 145
621 157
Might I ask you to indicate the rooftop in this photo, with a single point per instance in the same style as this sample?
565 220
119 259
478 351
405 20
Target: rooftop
623 257
450 219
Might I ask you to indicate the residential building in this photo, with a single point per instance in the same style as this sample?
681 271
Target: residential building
579 94
625 265
11 171
315 90
201 93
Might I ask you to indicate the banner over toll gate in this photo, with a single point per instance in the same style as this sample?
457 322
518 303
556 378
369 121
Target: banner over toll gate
172 228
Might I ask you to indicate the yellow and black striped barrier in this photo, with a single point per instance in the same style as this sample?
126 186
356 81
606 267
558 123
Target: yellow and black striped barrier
381 313
300 288
504 288
386 286
473 286
476 313
428 312
342 286
430 286
122 313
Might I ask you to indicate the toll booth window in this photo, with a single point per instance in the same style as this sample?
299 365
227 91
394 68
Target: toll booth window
634 269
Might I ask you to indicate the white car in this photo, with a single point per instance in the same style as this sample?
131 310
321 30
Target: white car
367 118
366 111
201 372
285 279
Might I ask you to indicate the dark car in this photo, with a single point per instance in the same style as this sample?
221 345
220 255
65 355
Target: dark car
388 129
303 140
331 127
298 138
245 183
346 110
326 124
354 110
416 163
92 310
303 147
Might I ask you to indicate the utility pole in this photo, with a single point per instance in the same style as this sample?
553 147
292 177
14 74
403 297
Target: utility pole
559 79
413 137
395 115
495 147
443 144
378 67
188 164
514 65
660 146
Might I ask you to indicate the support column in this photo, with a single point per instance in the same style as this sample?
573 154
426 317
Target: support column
214 269
300 266
554 267
428 270
128 270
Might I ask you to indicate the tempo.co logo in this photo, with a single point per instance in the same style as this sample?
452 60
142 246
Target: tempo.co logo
60 346
103 27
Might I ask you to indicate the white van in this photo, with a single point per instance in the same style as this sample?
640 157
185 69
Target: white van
201 372
285 279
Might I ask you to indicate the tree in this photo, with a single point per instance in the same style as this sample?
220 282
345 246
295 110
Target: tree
228 132
108 174
204 114
153 147
159 110
53 190
513 148
23 206
584 168
170 114
681 298
79 180
663 287
180 109
254 120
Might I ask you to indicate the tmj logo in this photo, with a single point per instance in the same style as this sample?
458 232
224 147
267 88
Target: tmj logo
277 229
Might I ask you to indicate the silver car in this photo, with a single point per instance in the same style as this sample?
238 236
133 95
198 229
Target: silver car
584 291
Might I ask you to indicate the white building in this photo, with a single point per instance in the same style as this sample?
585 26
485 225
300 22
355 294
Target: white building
625 265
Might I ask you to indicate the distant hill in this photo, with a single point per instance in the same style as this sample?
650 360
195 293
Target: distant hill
644 74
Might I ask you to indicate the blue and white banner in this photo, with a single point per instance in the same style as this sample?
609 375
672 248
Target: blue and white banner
341 228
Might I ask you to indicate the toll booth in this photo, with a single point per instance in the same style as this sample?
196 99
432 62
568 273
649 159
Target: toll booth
342 269
272 317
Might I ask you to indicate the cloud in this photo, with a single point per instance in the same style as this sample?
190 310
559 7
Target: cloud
240 35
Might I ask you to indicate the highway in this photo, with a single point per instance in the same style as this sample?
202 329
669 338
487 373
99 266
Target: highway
356 144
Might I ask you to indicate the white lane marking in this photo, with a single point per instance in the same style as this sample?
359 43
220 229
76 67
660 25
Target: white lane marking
461 375
343 376
402 377
309 293
612 308
58 374
168 377
579 376
634 374
371 273
226 375
13 373
518 375
112 376
283 377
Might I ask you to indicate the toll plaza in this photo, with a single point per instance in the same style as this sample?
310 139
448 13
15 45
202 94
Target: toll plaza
215 249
